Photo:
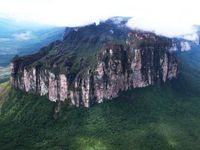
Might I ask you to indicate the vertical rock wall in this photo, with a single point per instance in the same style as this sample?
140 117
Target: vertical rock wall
118 68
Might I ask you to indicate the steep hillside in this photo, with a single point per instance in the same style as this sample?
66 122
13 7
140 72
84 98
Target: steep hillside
157 118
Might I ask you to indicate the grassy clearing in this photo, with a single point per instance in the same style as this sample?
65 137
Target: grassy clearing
4 74
4 90
154 118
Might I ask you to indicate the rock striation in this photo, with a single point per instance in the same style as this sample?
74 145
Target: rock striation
137 59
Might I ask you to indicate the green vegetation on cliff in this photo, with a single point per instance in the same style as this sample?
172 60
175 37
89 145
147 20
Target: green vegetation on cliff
77 50
155 118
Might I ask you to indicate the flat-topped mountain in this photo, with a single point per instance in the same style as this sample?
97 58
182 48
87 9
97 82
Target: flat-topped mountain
94 63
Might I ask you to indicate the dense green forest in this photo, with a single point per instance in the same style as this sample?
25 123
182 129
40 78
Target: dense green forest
161 117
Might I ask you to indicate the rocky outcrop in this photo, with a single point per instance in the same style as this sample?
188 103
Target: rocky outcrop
138 59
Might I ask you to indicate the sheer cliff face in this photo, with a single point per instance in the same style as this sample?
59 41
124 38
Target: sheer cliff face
143 59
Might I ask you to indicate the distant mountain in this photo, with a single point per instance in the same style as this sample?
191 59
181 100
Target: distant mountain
20 38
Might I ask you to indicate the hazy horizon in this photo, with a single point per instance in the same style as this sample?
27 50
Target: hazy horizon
169 18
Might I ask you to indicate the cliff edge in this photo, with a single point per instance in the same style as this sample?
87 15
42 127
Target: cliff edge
95 63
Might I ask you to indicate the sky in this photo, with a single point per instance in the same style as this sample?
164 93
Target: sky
169 17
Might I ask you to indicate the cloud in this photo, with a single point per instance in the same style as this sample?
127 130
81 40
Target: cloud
169 17
4 40
170 28
24 36
8 51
